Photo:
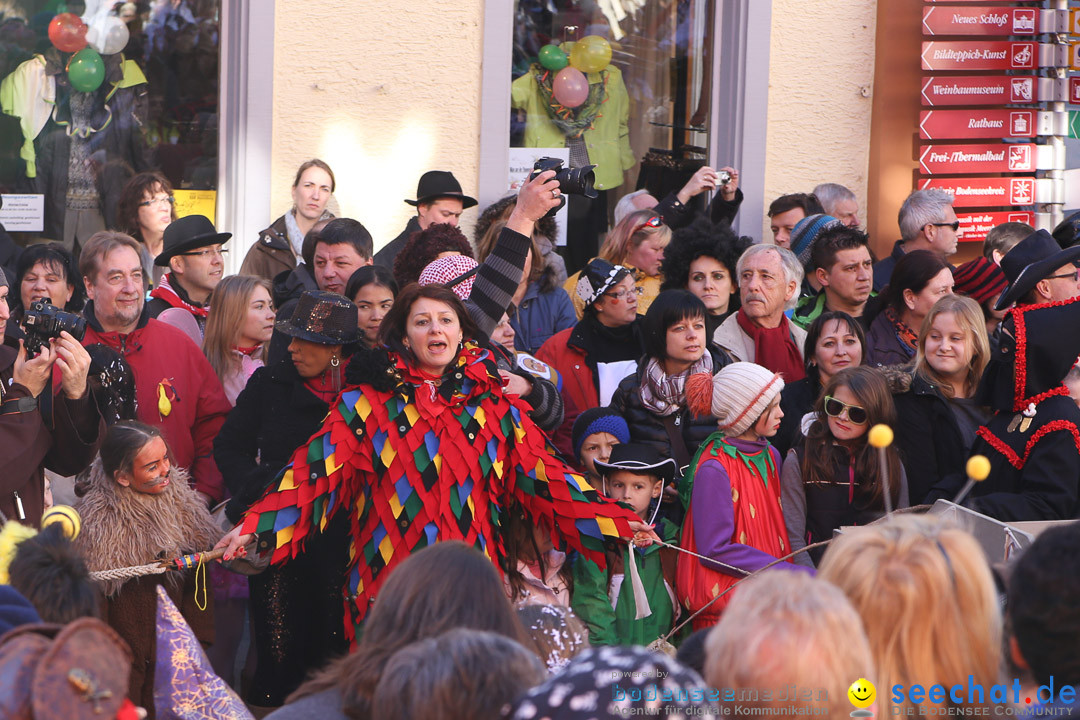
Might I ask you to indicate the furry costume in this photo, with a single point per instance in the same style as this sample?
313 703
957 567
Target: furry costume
122 528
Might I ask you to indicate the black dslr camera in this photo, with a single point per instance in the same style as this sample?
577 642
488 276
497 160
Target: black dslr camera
43 322
572 181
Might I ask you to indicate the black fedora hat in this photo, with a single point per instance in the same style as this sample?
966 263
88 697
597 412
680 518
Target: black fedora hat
322 317
1030 261
188 233
436 184
639 459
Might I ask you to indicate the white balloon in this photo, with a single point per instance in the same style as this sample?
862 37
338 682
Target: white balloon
108 35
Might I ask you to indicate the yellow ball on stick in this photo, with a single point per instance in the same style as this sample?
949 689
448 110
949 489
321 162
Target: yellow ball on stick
880 436
978 468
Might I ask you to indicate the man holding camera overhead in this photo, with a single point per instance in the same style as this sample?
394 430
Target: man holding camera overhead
175 387
439 199
41 428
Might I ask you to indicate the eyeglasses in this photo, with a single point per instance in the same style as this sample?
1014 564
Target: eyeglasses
835 408
1074 276
219 252
654 222
624 293
954 225
159 201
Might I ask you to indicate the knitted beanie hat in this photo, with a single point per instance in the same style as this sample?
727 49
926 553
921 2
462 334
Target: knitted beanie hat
807 231
740 393
445 270
598 420
979 279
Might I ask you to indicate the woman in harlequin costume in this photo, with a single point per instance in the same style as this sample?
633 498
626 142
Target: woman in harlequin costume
423 446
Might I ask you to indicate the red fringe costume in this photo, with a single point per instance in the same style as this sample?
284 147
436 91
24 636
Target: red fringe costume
416 462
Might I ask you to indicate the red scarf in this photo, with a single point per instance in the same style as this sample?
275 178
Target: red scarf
166 292
773 347
322 387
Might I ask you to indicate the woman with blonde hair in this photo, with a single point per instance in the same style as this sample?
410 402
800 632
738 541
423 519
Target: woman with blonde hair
927 600
937 416
638 243
240 323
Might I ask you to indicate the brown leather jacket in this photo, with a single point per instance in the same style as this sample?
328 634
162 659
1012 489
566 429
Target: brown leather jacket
28 444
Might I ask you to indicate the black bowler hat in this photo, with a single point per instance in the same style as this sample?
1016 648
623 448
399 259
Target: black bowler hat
639 459
188 233
436 184
1030 261
322 317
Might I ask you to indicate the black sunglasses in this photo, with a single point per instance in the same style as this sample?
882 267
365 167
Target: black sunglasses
954 225
834 408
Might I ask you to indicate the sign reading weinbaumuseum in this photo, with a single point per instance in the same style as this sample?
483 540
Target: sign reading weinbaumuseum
943 90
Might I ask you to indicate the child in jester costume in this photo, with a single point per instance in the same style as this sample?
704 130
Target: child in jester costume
423 446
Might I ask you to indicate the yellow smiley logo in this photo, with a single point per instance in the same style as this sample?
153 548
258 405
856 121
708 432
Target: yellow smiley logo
862 693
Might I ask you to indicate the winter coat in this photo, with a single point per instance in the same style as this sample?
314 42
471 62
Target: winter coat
796 399
296 608
545 310
28 444
388 253
676 215
735 342
568 352
649 428
883 346
604 599
271 255
883 268
166 364
927 434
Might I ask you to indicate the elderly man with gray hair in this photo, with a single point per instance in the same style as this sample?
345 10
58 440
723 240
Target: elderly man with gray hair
784 631
769 278
927 222
839 202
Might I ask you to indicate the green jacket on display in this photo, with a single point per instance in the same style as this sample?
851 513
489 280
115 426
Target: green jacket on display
608 140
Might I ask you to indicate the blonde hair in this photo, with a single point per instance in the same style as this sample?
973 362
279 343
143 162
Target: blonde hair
785 628
228 310
625 237
970 318
927 600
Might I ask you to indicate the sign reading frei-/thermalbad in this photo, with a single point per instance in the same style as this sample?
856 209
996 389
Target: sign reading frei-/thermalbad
940 159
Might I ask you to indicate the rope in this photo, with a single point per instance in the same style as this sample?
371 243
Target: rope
747 575
183 562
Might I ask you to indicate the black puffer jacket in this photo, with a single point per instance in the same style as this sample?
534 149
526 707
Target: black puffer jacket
649 428
927 434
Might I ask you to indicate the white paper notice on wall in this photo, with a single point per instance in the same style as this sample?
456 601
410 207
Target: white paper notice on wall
521 164
23 213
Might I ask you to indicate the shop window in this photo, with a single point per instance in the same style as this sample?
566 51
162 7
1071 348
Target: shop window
639 111
95 92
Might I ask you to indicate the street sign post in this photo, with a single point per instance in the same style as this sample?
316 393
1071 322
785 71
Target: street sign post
984 124
987 20
984 158
992 55
942 90
993 192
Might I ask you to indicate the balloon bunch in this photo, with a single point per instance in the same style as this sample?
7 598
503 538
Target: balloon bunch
589 55
86 69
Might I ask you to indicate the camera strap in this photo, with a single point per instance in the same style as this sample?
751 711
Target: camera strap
18 405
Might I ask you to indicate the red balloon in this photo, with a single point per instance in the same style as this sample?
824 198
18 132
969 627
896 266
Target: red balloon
570 87
68 32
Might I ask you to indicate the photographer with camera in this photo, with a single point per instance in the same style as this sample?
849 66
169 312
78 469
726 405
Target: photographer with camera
42 425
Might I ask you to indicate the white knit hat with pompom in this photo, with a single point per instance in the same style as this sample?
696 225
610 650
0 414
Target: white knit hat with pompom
740 394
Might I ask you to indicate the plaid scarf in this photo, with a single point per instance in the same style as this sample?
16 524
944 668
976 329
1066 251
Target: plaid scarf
665 394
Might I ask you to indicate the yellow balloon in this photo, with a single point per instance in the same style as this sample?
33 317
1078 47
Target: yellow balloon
591 54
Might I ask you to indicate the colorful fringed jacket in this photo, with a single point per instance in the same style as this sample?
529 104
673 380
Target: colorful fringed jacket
416 462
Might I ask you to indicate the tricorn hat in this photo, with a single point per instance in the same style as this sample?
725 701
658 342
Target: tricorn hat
322 317
639 459
1030 261
436 184
188 233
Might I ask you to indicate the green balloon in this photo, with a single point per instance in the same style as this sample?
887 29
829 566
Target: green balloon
86 71
553 58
